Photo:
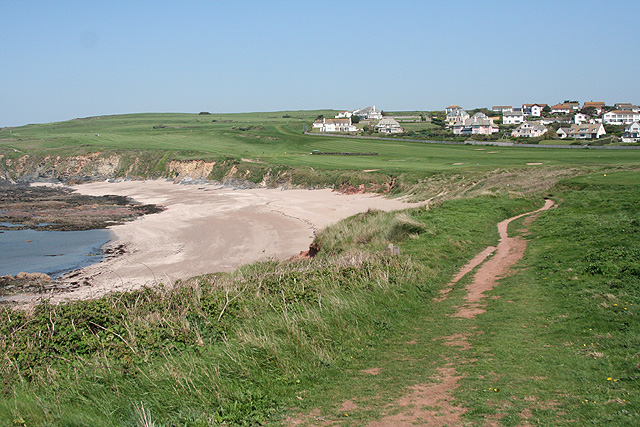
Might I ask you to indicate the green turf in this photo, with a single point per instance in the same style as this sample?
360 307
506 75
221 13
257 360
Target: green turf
277 139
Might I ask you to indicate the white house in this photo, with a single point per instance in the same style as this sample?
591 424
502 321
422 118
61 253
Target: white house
512 118
621 117
452 107
580 118
369 113
388 125
562 133
334 125
565 108
456 115
529 130
478 124
582 131
344 114
533 109
632 133
502 108
626 106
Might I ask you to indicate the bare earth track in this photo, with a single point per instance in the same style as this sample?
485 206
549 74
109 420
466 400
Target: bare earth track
439 394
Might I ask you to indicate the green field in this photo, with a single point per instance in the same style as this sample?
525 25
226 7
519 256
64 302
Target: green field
270 138
341 339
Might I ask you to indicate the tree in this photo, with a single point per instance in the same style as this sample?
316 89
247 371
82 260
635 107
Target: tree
355 119
546 109
590 111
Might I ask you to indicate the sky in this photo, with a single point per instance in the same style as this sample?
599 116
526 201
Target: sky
61 60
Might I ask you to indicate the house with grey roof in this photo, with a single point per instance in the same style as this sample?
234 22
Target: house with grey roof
369 113
582 131
512 117
632 133
456 115
479 124
388 125
626 106
529 130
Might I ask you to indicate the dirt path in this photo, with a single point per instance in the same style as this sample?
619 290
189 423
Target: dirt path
417 407
509 251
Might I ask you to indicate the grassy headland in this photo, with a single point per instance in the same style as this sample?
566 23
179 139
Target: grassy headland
558 344
259 147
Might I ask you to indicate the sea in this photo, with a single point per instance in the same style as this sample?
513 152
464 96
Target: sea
51 252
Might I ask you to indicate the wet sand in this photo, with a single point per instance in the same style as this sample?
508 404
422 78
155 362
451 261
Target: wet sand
207 229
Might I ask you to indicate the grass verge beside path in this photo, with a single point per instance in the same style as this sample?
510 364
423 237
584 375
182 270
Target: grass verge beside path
561 345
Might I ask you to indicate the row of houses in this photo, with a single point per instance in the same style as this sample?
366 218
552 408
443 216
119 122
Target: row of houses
369 113
583 126
343 123
622 113
530 129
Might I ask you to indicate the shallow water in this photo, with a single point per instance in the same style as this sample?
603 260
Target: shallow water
50 252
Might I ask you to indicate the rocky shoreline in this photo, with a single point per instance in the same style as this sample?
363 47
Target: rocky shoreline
42 207
48 207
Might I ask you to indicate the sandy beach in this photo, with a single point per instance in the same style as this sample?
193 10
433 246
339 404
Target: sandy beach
208 228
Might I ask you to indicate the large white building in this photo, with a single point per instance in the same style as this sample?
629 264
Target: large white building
582 131
478 124
369 113
632 133
334 125
621 117
529 130
512 118
502 109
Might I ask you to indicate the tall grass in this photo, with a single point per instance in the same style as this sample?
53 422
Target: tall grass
219 348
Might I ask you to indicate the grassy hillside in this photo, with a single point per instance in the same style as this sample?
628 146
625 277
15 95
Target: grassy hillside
341 338
276 139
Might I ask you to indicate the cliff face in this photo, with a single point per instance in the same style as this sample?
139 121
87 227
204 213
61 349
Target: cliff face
132 164
80 168
140 164
182 170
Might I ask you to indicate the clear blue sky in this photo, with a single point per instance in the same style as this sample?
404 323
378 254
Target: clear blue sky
65 59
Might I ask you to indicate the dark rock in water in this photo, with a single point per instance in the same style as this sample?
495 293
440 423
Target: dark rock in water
59 208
